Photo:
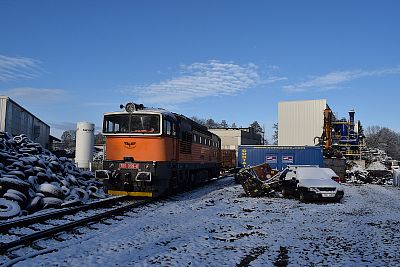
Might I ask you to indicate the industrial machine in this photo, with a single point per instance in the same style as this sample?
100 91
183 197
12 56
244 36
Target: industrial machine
341 137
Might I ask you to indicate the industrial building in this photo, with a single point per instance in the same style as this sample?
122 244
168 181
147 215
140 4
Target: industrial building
311 122
17 120
231 138
299 122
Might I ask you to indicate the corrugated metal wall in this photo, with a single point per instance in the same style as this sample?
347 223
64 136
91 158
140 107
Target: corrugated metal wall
3 109
299 122
280 157
18 120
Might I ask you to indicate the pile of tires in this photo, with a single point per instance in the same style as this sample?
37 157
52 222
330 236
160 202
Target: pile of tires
32 179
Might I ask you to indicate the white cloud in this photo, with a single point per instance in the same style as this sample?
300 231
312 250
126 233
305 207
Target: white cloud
212 78
64 126
16 68
334 79
35 95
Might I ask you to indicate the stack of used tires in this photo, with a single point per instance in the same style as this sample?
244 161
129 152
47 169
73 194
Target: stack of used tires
32 178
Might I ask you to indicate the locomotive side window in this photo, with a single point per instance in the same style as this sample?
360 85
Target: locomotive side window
173 129
167 127
131 123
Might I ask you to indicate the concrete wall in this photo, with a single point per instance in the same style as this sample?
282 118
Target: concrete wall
299 122
232 138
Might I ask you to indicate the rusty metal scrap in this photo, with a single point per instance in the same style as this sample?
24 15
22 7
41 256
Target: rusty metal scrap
259 180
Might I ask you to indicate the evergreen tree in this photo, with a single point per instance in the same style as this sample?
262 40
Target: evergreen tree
275 136
257 128
224 124
210 123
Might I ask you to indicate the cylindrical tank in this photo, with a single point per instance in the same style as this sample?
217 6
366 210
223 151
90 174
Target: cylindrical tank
84 144
344 131
351 115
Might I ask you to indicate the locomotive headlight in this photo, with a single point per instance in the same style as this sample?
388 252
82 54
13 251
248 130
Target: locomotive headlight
147 166
130 107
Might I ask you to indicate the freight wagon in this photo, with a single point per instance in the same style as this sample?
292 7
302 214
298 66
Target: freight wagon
228 160
278 157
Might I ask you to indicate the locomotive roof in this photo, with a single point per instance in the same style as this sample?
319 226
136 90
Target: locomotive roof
166 113
163 112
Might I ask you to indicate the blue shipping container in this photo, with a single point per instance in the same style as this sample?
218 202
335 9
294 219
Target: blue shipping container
278 157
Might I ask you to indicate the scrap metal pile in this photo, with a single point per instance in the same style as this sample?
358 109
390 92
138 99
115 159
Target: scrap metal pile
32 178
375 173
259 180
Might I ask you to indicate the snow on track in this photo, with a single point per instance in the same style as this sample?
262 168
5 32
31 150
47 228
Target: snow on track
217 226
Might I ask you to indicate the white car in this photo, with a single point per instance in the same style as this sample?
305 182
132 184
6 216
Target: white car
311 183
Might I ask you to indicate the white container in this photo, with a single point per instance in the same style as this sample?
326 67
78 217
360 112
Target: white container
84 144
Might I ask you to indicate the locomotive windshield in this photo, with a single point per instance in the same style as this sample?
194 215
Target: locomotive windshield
132 123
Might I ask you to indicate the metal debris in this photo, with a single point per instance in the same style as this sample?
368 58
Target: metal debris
259 180
375 173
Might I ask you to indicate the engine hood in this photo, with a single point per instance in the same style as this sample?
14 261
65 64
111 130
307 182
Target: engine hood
319 183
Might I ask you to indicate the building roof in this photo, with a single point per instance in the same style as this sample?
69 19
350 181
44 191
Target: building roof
15 103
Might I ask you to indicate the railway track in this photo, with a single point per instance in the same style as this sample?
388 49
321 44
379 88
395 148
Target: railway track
29 236
21 235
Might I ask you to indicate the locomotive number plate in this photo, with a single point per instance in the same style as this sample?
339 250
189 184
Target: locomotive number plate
129 165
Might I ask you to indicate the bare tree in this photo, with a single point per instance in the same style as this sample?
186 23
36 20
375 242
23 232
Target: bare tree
198 120
99 139
385 139
69 138
372 130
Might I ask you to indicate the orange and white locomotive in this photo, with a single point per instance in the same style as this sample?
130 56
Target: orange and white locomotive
150 152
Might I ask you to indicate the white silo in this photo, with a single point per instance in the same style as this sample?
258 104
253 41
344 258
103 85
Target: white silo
84 144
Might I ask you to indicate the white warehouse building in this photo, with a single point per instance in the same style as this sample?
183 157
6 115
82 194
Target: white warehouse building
17 120
299 122
231 138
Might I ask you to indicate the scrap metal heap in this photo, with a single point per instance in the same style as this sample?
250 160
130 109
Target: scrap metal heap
375 173
260 180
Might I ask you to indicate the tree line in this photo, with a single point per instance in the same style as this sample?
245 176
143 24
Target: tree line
385 139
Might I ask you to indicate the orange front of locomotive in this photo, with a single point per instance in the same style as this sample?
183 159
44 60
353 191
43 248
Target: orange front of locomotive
137 154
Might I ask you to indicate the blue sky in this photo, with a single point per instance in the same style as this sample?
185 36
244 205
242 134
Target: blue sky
70 61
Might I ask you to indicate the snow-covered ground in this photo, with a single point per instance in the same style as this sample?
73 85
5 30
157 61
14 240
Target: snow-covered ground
217 226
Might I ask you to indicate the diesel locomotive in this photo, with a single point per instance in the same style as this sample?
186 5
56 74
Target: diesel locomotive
151 152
